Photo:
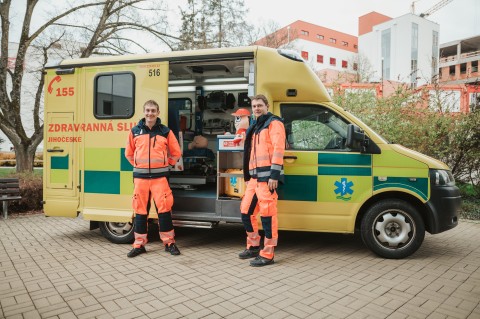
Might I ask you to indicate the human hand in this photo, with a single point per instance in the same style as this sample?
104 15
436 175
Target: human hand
272 184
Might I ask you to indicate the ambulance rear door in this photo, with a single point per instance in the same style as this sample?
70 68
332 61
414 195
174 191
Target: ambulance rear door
115 94
61 142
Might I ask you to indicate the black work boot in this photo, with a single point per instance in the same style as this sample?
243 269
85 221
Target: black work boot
261 261
172 249
252 252
136 251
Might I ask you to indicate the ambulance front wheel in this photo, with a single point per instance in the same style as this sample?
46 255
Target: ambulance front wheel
393 229
118 233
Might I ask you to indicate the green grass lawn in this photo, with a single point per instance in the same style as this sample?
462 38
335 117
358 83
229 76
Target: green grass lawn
6 171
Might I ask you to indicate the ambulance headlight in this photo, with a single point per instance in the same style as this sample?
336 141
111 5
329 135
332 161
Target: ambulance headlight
442 177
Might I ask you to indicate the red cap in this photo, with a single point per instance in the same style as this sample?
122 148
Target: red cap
241 112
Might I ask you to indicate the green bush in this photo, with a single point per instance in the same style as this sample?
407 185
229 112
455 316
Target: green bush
470 201
470 208
453 138
31 190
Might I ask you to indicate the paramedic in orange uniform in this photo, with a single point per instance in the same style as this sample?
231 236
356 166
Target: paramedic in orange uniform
151 149
263 170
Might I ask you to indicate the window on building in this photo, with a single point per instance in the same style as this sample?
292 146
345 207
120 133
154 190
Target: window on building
414 54
305 55
304 32
114 95
386 39
444 100
474 102
474 66
414 78
451 70
344 64
319 58
345 43
333 40
333 61
463 68
320 37
434 52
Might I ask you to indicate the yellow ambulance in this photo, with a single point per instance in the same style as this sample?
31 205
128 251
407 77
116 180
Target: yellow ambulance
340 176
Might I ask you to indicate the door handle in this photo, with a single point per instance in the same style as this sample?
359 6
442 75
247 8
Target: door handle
55 150
289 157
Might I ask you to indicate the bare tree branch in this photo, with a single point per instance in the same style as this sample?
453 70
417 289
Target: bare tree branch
73 26
106 31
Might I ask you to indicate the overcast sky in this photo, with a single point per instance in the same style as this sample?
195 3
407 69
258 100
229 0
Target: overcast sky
459 19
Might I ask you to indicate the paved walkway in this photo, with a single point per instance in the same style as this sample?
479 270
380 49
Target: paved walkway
57 268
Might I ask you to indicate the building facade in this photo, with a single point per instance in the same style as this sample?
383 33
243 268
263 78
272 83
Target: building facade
459 61
403 49
329 52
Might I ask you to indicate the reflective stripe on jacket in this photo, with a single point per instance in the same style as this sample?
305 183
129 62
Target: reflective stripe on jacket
151 151
267 146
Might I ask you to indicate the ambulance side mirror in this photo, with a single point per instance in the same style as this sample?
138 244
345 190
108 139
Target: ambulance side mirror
355 137
357 141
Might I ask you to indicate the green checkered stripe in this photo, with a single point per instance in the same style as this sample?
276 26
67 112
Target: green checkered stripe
59 169
107 171
418 185
305 188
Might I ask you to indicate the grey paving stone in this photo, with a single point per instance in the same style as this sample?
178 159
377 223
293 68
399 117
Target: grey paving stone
58 268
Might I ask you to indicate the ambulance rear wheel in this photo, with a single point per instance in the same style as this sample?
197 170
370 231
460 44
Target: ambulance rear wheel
118 233
393 229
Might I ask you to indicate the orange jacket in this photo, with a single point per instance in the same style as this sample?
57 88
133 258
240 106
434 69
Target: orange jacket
264 148
151 151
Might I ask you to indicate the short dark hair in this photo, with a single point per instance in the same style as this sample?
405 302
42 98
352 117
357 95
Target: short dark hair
151 102
261 97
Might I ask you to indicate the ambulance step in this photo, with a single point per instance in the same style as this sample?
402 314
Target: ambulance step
193 224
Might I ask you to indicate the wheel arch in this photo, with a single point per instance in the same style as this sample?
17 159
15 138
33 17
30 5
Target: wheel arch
419 206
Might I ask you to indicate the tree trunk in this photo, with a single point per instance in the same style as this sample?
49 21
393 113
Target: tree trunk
24 155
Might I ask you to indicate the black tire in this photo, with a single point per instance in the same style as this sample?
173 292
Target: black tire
118 233
392 229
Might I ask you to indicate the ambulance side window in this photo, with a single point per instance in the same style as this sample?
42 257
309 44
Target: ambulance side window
114 95
313 127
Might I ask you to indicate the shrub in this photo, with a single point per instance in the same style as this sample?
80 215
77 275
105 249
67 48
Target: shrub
31 190
470 208
453 138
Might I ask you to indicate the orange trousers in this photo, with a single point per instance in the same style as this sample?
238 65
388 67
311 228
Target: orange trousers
144 191
259 200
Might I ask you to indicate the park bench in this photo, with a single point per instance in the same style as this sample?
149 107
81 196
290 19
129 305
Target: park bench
9 190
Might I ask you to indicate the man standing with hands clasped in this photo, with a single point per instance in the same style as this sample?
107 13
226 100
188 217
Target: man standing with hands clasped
151 149
263 170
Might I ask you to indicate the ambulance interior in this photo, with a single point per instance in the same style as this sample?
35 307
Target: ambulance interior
202 97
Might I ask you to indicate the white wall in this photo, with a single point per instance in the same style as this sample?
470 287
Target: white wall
401 33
